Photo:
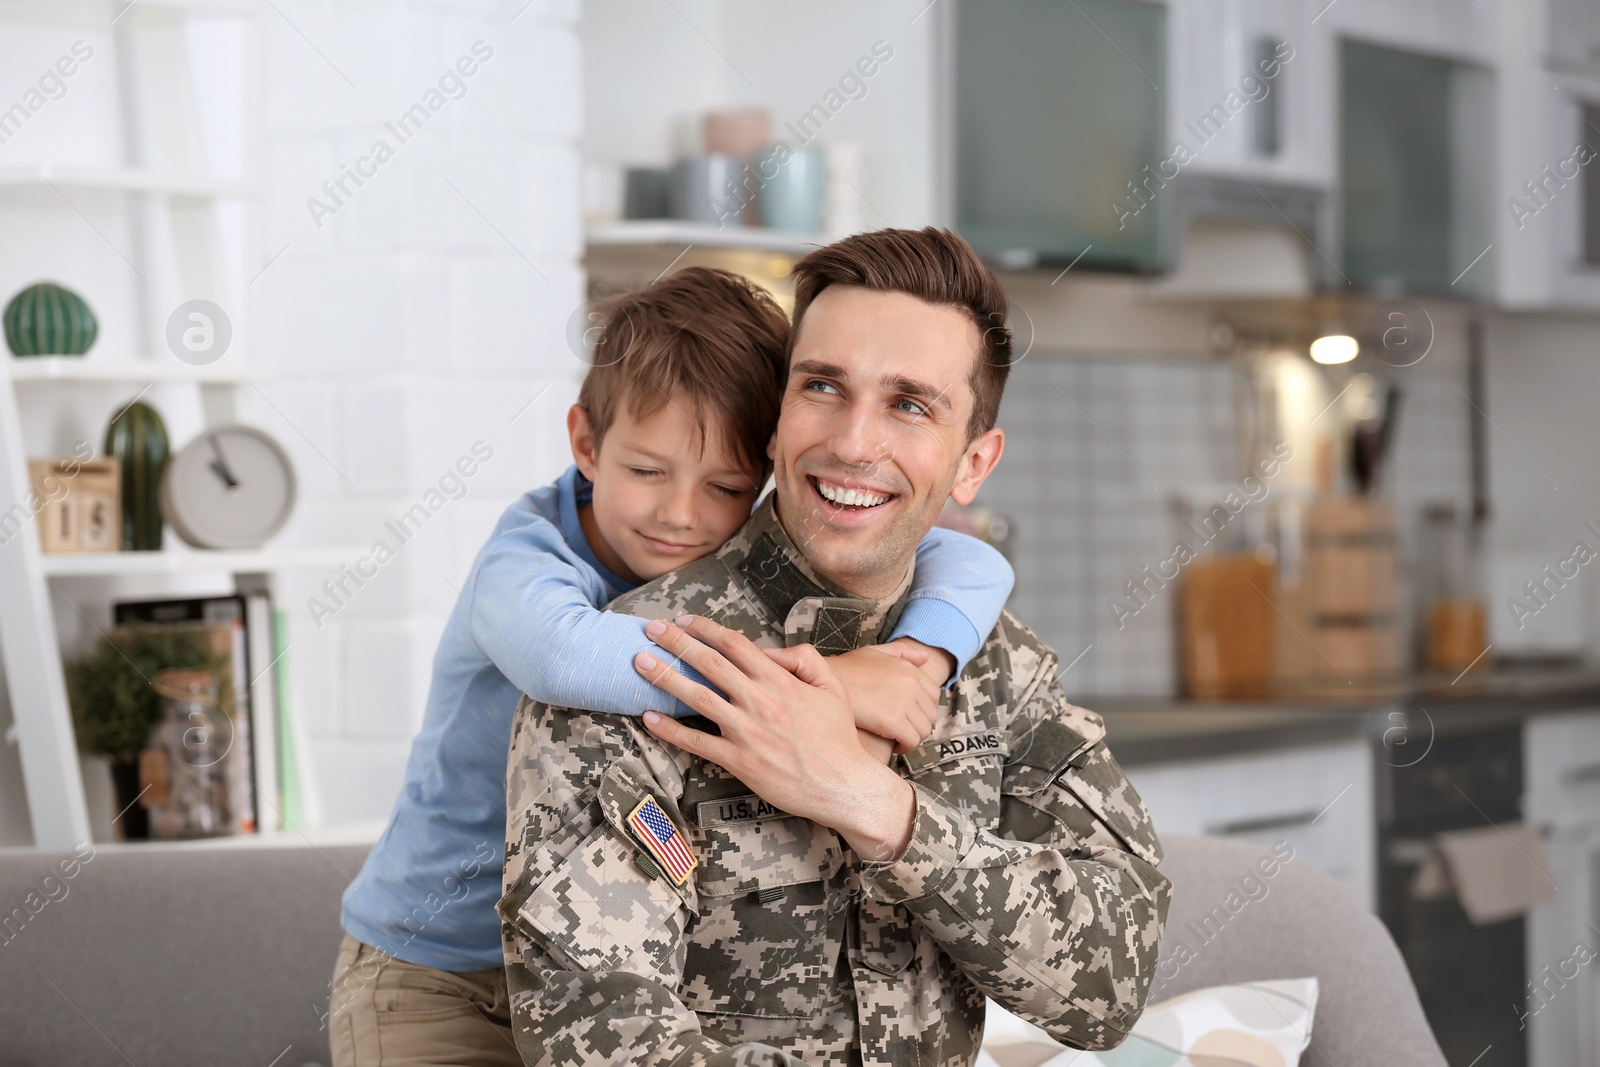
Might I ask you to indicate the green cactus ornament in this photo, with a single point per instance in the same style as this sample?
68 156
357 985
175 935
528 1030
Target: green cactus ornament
138 439
47 319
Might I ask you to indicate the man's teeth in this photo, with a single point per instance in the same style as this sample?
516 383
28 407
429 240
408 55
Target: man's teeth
860 498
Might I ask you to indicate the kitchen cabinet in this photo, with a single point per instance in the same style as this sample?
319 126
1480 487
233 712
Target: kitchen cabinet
1549 209
1562 768
1519 745
1059 140
1416 165
1318 798
1248 93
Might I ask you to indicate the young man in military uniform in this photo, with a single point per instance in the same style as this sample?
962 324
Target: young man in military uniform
755 886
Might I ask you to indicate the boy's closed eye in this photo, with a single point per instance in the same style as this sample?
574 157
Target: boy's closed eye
732 492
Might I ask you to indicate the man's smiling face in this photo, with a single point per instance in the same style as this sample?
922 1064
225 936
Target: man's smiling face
872 438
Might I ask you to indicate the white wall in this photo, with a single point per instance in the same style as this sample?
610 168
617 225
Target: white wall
420 318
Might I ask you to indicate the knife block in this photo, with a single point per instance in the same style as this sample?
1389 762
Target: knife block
1350 591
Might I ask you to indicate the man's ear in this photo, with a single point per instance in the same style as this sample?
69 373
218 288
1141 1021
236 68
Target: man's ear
976 464
580 431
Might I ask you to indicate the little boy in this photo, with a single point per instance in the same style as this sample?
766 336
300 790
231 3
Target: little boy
669 439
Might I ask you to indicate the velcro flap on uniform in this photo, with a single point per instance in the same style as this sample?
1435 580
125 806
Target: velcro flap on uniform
1045 749
1100 786
832 624
984 742
748 808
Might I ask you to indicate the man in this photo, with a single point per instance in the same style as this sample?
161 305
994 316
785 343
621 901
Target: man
763 890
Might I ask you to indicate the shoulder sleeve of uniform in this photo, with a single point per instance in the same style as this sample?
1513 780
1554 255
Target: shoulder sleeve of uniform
1059 763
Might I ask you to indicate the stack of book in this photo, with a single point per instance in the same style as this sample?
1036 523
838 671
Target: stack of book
244 629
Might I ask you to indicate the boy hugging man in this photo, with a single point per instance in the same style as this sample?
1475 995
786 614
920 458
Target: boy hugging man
669 442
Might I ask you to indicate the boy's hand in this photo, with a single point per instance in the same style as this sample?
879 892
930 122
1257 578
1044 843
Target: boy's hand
891 693
937 663
880 748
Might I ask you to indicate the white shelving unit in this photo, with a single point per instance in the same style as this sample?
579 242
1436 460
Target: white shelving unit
127 180
33 662
231 370
703 235
165 190
191 561
331 835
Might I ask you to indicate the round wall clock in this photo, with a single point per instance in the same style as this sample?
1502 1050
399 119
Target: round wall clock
230 487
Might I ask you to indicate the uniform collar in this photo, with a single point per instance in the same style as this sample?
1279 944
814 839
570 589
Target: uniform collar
810 608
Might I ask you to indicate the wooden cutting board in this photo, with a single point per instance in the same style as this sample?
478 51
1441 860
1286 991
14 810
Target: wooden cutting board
1226 626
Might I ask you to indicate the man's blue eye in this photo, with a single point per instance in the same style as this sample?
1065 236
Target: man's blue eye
817 385
913 407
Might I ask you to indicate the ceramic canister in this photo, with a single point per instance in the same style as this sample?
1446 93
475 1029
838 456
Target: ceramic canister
709 189
793 187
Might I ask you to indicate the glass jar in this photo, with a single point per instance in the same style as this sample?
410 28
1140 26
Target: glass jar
1454 621
185 767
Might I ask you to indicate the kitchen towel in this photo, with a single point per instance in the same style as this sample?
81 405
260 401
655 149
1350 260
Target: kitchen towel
1495 871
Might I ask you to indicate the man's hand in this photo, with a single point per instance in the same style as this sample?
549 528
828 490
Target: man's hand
787 732
891 693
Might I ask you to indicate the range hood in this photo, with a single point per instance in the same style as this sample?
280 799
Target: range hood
1233 238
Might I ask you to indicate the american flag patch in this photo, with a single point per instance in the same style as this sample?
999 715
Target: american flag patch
662 839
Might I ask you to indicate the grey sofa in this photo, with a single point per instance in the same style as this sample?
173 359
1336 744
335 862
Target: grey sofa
164 957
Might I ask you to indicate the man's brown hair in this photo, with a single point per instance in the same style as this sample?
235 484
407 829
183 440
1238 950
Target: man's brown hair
935 266
706 334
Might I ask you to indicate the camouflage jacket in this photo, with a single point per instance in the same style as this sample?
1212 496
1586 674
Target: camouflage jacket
1030 874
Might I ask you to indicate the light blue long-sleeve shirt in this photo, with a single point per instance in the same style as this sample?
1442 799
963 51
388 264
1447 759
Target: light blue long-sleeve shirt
529 621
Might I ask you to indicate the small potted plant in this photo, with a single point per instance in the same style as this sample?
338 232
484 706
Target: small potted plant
115 706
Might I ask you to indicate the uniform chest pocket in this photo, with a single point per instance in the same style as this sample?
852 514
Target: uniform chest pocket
600 909
766 939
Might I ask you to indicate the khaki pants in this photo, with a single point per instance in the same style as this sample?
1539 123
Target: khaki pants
385 1012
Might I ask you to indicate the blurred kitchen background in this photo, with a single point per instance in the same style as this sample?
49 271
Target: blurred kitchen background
1299 477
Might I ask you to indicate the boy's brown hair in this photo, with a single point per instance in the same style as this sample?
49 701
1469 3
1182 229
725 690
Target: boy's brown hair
935 266
706 334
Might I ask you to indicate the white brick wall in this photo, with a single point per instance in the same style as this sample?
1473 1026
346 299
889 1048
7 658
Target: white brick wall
421 317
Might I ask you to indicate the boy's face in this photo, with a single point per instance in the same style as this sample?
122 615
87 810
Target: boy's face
663 496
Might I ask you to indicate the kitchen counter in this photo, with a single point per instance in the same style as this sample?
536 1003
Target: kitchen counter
1421 706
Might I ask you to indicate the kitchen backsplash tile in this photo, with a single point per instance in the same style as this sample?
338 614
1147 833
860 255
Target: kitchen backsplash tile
1094 450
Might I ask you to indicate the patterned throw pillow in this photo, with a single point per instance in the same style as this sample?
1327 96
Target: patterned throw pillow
1252 1024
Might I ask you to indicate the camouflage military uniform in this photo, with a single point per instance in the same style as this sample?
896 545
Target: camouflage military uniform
1030 875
